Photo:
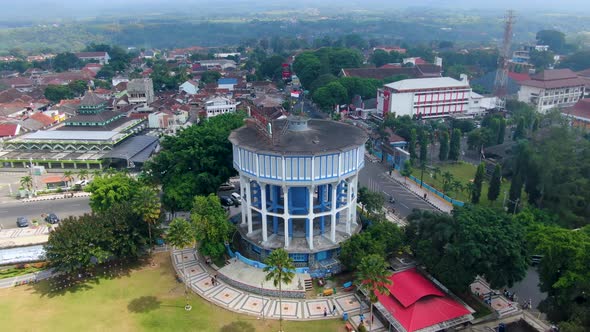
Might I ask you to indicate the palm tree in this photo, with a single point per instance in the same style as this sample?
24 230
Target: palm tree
27 182
447 180
279 268
96 173
67 177
146 203
372 277
83 174
181 235
457 186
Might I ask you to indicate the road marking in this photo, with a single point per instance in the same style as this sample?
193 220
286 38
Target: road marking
74 204
407 207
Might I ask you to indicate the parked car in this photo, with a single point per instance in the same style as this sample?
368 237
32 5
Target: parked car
236 198
226 201
22 222
52 218
226 186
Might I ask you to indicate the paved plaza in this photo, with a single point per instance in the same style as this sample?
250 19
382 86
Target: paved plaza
199 277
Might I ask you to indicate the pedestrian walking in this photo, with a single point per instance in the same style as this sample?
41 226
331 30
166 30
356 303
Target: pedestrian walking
425 195
333 309
212 281
325 311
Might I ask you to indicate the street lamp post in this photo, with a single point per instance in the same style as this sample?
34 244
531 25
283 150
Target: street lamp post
422 166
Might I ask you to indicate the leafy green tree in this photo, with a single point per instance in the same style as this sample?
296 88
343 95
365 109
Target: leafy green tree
495 184
473 241
407 169
107 190
280 269
555 39
272 67
455 146
501 130
210 76
78 243
520 131
181 235
541 59
563 273
66 61
444 146
307 66
373 277
478 182
78 87
423 147
576 61
211 225
412 145
372 201
83 174
107 72
56 93
204 150
81 242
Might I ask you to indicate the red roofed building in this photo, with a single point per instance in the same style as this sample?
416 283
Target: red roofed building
46 120
9 129
519 77
579 114
555 88
417 304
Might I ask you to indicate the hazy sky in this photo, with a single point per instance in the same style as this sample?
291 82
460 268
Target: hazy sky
41 9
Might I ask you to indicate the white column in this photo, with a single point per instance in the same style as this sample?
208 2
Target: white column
310 216
355 192
333 215
242 193
263 210
351 206
286 214
249 205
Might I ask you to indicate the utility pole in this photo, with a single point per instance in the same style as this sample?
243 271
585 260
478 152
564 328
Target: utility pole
501 81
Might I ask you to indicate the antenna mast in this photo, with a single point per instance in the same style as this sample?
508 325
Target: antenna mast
500 83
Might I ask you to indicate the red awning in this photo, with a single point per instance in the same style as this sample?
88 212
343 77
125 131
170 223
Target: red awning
416 303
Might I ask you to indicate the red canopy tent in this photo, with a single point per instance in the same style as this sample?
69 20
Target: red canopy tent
416 303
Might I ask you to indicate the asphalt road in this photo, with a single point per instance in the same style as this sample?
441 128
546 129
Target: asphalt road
9 211
374 177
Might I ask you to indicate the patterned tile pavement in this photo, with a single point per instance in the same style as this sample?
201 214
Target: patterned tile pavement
240 301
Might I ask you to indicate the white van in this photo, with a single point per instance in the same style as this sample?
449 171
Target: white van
236 197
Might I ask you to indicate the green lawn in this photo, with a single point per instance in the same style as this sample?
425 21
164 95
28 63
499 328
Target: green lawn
144 299
464 172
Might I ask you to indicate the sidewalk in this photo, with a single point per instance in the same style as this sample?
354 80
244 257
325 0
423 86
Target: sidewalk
31 277
56 196
431 198
199 278
20 237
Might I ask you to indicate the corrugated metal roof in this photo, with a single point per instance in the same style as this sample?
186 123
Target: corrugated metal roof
427 83
136 149
66 135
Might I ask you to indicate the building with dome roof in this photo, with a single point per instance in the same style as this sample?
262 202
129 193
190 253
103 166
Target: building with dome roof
299 183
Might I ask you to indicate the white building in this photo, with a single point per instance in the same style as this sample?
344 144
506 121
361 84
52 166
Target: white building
428 98
140 91
556 88
222 64
190 87
219 105
102 57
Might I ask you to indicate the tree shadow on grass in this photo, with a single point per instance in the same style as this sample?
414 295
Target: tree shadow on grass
144 304
62 284
240 326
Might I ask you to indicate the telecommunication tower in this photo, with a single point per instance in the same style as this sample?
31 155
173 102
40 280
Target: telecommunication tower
500 83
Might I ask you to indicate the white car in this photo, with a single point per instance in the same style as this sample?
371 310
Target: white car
236 197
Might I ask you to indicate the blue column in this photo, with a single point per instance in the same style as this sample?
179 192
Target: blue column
306 228
290 227
276 193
